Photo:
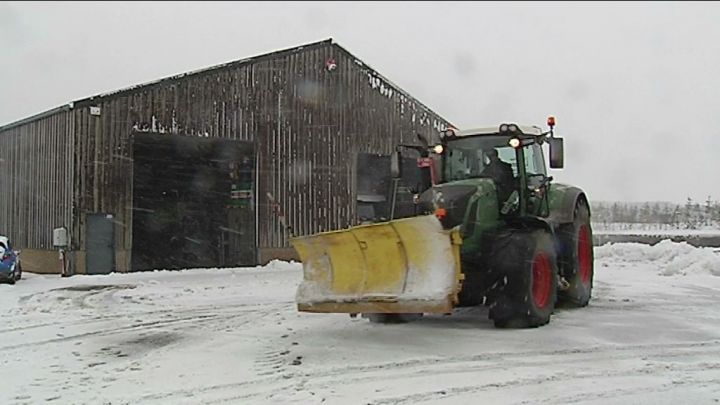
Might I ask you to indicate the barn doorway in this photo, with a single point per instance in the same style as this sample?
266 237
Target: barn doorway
193 202
100 253
375 188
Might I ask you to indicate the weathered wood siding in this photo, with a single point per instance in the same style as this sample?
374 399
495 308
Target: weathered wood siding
307 123
36 158
324 118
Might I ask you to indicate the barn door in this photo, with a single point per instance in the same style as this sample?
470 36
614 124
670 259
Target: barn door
100 245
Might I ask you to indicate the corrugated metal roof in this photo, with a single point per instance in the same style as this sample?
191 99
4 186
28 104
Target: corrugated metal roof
253 59
66 107
245 61
236 63
385 79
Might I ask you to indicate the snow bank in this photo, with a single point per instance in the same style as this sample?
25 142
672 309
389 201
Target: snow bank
280 265
623 228
672 258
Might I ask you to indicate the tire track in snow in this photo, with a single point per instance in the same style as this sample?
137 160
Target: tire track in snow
77 302
564 377
220 318
202 316
106 293
631 349
622 392
295 382
422 368
125 315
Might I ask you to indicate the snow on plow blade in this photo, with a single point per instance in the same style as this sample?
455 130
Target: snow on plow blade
407 265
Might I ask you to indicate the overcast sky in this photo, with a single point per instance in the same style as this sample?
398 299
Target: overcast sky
635 87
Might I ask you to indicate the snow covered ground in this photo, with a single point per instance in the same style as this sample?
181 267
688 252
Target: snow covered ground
651 335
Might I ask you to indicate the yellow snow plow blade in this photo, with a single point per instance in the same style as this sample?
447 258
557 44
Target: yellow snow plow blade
407 265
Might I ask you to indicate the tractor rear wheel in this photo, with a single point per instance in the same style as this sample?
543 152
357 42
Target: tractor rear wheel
577 258
530 275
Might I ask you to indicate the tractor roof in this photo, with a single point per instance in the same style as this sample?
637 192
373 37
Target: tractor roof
526 129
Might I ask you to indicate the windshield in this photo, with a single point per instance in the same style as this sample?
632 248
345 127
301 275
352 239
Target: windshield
468 157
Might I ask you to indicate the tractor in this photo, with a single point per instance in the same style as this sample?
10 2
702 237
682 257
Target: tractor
510 239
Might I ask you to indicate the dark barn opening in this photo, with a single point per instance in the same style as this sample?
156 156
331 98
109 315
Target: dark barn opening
193 202
375 188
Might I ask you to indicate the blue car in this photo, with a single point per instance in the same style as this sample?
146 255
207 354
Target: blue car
10 269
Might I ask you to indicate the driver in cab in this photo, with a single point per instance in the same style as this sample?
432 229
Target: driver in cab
500 171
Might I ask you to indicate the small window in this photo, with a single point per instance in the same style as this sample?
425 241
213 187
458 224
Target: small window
534 160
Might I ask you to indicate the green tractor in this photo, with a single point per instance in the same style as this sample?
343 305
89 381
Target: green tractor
492 228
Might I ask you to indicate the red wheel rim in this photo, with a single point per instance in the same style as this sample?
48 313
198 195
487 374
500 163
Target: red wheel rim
542 280
584 255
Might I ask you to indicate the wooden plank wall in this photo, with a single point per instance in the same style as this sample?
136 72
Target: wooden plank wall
36 180
310 144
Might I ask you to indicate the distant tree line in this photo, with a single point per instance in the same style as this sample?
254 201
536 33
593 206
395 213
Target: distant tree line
691 215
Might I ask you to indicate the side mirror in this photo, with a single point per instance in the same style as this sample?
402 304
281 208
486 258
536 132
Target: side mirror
395 166
557 156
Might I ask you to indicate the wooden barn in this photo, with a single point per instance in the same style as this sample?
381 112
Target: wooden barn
215 167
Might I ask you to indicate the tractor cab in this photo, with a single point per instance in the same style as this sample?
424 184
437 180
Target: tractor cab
509 157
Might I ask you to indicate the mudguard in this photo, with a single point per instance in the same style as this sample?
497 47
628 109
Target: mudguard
408 265
563 199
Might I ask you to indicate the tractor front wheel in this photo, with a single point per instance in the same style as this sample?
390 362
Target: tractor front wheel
528 265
